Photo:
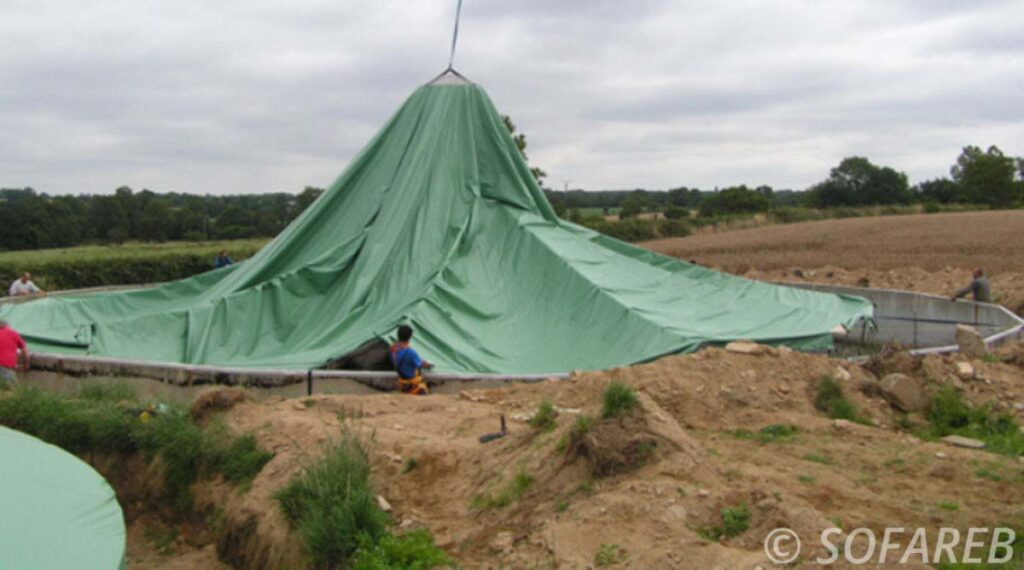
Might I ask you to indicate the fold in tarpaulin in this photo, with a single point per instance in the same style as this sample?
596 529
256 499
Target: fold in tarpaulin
438 223
57 511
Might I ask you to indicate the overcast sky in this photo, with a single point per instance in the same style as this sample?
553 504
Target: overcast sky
263 96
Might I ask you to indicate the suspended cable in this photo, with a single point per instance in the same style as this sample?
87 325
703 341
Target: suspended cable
455 34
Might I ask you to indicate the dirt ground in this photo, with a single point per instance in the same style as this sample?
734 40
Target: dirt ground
651 516
931 253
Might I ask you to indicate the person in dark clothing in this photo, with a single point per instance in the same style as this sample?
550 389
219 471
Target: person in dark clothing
223 260
408 364
979 287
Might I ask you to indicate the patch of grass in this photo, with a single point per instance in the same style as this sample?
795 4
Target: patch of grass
241 459
562 445
831 400
100 420
414 550
581 427
894 463
333 505
838 522
950 414
948 506
544 418
587 488
510 494
162 538
768 434
735 521
816 458
619 399
561 506
807 479
991 358
990 475
101 392
609 555
410 465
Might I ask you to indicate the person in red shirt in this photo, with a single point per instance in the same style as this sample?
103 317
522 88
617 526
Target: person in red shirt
10 343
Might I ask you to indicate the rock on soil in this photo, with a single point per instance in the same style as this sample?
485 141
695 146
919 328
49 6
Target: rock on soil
964 370
971 344
904 392
747 347
960 441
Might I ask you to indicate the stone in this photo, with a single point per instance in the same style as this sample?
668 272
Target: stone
841 374
842 424
678 512
469 396
503 542
941 455
970 341
745 347
383 504
960 441
703 493
904 393
964 370
1018 406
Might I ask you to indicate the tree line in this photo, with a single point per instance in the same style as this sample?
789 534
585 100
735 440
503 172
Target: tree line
35 220
982 177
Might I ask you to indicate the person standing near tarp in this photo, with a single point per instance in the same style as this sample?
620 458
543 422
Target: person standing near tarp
408 364
24 286
10 343
223 260
979 287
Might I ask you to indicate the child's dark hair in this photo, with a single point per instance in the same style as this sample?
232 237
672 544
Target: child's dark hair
404 333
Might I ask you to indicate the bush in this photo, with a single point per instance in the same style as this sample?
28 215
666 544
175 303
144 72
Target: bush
831 400
932 207
618 400
950 414
793 215
413 550
333 505
735 521
544 417
673 228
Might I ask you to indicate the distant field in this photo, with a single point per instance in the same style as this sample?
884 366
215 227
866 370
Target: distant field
933 242
592 212
132 250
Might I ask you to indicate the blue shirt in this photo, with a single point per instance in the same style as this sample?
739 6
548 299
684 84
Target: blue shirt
222 261
407 362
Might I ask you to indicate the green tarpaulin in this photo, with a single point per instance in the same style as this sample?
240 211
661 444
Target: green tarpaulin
55 511
439 223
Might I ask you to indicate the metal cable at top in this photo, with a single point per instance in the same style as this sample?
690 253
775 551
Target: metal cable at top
455 34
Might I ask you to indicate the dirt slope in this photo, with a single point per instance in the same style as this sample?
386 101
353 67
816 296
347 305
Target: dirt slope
850 475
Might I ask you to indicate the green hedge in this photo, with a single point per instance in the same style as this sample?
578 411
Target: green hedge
84 267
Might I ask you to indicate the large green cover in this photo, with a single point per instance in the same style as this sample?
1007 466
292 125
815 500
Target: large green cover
439 223
56 512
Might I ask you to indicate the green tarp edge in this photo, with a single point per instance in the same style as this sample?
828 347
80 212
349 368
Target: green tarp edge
57 511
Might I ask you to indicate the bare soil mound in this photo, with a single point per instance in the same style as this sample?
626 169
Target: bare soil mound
715 432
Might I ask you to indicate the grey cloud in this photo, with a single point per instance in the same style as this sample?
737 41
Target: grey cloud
266 96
